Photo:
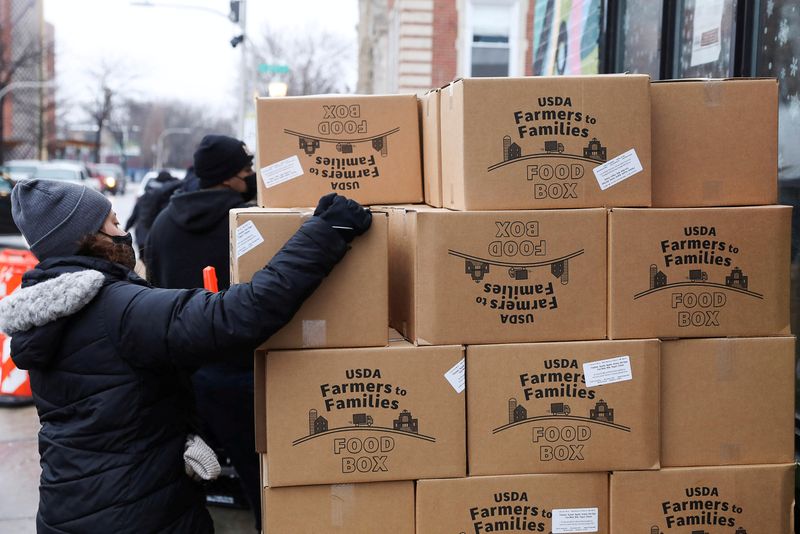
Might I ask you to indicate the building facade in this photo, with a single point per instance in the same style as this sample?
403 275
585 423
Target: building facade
26 55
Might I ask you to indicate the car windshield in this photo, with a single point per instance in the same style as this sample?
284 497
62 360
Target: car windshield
58 174
109 170
22 169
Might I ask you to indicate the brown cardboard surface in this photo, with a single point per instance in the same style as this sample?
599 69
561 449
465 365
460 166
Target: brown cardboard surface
345 508
260 400
516 503
365 147
364 415
715 142
727 401
431 147
699 272
349 308
530 409
708 500
525 143
497 277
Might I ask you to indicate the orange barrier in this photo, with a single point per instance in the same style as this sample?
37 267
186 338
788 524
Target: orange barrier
15 386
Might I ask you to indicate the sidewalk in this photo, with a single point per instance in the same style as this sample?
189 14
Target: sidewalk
19 478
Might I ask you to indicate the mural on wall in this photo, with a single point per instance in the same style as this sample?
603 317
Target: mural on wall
566 37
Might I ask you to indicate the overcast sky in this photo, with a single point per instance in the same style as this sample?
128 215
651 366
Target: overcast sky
173 52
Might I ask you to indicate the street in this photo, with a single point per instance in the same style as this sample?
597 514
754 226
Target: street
19 458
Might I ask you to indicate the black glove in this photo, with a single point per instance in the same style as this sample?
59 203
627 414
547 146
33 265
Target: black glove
347 216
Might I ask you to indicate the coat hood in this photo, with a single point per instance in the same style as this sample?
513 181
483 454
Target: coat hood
200 211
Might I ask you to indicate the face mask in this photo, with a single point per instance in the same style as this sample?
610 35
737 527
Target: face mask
252 187
126 239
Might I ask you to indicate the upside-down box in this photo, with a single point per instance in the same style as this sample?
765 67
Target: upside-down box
497 277
365 415
715 142
727 401
517 503
563 407
699 272
365 147
546 142
704 500
339 508
349 308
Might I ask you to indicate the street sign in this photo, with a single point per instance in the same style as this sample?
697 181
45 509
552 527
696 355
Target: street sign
266 68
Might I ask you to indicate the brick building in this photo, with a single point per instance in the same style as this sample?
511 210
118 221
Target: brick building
413 45
26 55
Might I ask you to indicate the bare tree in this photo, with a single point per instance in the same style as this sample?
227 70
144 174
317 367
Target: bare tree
109 80
19 51
152 118
317 60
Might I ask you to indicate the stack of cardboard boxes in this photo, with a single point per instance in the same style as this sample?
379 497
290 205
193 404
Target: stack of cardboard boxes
539 385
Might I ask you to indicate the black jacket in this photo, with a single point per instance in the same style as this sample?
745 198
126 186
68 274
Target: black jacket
106 353
150 204
190 234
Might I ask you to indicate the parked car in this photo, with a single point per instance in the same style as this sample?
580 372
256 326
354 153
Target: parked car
19 169
69 172
92 177
112 177
7 226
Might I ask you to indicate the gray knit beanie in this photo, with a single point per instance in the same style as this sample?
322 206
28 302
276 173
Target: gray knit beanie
54 216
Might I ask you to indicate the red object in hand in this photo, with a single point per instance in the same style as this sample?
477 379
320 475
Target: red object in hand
210 279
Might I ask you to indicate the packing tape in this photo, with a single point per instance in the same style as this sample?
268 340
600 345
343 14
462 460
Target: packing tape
713 91
725 361
314 333
341 502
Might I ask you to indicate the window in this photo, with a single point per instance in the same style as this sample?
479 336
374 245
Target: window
491 48
705 39
639 44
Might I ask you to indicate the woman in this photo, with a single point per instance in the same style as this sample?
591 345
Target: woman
108 355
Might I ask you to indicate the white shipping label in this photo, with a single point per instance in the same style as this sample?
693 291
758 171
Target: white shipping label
457 376
571 520
247 238
617 169
604 372
281 171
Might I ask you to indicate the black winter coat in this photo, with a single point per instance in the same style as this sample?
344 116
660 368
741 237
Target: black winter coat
193 227
106 353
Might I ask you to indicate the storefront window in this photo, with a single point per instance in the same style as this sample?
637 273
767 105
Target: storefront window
566 37
490 40
639 46
705 39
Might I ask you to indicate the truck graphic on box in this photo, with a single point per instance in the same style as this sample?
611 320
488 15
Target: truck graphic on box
559 408
361 419
698 275
552 147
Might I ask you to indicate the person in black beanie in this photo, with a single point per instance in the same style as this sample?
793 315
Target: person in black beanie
108 355
190 234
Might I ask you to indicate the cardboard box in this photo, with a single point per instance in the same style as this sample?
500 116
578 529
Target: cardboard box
497 277
343 508
546 142
715 142
364 147
349 308
365 415
518 503
431 147
699 272
727 401
704 500
563 407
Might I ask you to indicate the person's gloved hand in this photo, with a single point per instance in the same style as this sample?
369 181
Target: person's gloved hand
345 215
